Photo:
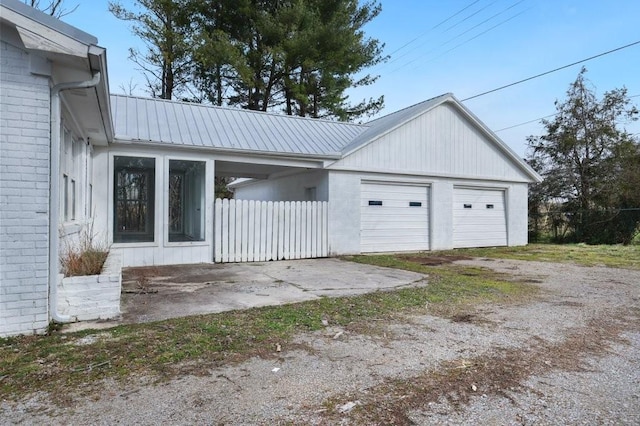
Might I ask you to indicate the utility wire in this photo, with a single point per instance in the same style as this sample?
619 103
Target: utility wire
433 28
547 116
553 70
460 35
470 39
526 122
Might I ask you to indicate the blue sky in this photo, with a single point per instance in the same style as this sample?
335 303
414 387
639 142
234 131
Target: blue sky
489 44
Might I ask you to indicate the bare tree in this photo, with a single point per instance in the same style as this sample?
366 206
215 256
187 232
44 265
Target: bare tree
54 8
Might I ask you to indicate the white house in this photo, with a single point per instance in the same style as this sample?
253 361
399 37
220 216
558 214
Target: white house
141 172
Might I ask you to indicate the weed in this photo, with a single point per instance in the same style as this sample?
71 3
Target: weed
86 257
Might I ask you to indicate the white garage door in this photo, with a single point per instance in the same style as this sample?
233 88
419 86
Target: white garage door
394 217
479 218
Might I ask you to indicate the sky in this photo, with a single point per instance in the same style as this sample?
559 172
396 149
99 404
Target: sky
465 47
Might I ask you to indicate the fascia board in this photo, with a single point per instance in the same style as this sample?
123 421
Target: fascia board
36 36
125 140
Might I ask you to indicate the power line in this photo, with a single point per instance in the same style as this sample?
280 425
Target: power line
547 116
477 35
461 34
553 70
526 122
433 28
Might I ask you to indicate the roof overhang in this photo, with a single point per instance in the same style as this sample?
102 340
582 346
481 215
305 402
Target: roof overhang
238 162
74 56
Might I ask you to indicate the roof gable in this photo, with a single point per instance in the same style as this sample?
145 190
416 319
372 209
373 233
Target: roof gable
437 137
422 131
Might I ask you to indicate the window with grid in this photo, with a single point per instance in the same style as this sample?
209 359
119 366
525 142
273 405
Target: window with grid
134 182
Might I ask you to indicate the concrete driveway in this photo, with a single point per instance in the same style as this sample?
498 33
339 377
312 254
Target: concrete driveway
162 292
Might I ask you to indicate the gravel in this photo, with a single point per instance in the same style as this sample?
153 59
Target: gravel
343 375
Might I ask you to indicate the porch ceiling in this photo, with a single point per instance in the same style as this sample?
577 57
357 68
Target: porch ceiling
250 170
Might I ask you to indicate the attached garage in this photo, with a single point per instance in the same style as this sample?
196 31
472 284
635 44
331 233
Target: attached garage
479 218
428 177
393 217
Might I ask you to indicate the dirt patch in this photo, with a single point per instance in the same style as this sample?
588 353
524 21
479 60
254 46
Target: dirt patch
177 274
429 260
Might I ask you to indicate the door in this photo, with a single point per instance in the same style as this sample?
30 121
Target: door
394 217
479 218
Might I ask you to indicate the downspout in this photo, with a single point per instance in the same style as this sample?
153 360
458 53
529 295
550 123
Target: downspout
54 191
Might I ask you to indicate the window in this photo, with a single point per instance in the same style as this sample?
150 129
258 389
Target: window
90 202
375 203
65 184
415 204
134 181
73 199
186 200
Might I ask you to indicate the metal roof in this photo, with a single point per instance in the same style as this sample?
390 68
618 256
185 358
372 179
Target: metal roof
159 121
145 120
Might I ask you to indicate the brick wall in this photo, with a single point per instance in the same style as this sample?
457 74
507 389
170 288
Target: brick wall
93 297
24 189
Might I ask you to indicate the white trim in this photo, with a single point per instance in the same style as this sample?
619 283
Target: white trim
422 174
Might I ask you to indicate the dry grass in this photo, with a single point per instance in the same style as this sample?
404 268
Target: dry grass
87 262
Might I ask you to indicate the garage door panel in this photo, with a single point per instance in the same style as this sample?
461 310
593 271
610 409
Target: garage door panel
479 218
395 225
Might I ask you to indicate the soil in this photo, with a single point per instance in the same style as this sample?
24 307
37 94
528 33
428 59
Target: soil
571 355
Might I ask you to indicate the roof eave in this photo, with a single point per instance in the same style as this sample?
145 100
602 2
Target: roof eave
123 140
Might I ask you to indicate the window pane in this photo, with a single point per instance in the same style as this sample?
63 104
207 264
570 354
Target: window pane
134 180
186 200
65 183
73 199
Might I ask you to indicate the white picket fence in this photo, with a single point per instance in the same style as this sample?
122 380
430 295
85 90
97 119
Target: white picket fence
254 231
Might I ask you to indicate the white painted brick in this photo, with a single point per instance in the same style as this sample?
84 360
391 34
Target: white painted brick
24 183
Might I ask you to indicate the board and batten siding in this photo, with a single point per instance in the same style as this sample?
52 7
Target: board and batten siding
440 142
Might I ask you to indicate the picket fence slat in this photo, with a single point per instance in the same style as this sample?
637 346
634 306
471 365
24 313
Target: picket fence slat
251 231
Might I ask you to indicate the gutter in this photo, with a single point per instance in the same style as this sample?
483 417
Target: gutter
54 190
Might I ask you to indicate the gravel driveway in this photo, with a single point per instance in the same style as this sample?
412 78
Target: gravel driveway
570 356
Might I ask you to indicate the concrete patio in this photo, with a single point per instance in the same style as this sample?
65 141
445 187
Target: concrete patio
161 292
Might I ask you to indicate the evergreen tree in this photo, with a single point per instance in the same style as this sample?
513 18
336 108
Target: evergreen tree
587 160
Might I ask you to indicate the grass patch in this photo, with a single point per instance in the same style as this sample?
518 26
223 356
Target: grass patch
64 362
613 256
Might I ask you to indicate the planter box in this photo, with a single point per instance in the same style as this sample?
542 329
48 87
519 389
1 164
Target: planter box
93 297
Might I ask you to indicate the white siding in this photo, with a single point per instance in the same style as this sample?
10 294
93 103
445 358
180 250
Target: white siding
479 218
294 187
24 185
441 142
399 223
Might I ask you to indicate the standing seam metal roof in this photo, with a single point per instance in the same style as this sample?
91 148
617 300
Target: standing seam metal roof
141 120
